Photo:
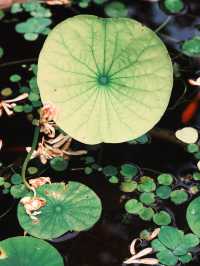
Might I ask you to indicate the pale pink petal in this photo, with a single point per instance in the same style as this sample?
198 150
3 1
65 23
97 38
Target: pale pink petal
132 246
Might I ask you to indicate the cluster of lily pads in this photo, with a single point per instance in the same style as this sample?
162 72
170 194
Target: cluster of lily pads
148 192
38 23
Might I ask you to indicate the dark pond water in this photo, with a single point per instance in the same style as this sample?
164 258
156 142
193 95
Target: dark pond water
107 242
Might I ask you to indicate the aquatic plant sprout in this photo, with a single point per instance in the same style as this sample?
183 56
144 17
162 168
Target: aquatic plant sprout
110 79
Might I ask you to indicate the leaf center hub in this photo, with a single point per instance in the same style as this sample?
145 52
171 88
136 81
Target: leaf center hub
103 80
58 209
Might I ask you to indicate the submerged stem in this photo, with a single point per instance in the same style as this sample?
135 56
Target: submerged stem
163 24
28 60
28 157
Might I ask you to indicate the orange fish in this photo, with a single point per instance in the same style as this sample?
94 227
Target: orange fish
191 109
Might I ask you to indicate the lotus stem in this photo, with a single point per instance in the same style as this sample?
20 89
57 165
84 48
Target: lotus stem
163 24
18 62
28 157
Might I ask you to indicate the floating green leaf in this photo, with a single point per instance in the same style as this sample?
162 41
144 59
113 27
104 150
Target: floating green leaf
88 170
110 170
116 9
133 206
163 192
111 79
59 164
173 246
196 176
1 52
15 78
16 179
147 198
32 170
113 179
146 214
28 251
167 257
71 207
165 179
193 216
170 237
192 47
2 181
18 191
192 148
147 184
162 218
128 186
128 170
185 258
174 6
6 92
178 196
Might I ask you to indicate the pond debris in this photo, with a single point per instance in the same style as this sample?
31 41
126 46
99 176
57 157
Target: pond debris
47 115
138 257
195 82
1 143
32 206
58 147
38 182
187 135
8 105
58 2
2 254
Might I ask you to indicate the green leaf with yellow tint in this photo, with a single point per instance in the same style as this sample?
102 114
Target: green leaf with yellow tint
110 79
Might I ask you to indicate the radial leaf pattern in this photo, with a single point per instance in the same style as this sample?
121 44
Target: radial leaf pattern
71 207
110 79
28 251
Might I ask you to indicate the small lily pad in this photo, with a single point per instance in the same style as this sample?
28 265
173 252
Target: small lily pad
147 198
1 52
146 214
28 251
162 218
16 179
19 191
173 6
128 170
196 176
128 186
110 170
15 78
59 164
193 216
192 47
88 170
116 9
71 207
163 192
192 148
146 184
178 196
133 206
113 179
165 179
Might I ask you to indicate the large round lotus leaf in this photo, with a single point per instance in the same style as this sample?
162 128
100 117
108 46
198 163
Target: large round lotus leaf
193 216
71 207
27 251
110 79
